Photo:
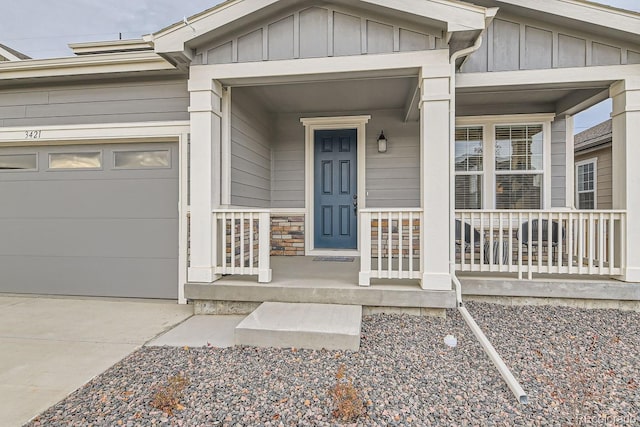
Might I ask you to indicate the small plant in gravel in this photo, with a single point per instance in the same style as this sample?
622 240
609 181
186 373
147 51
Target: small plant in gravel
347 402
167 397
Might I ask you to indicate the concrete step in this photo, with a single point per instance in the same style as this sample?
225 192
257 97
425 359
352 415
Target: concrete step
311 326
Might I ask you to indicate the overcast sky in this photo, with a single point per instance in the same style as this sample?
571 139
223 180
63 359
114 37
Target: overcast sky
44 28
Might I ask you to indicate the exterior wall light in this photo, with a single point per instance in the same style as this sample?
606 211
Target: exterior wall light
382 143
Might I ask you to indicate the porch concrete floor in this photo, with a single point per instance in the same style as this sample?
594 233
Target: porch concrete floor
303 280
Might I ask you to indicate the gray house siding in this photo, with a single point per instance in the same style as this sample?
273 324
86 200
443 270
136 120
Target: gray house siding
604 174
114 102
559 163
319 32
517 43
250 154
393 178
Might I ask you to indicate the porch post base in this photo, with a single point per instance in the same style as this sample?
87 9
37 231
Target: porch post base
264 276
631 275
364 279
436 281
202 275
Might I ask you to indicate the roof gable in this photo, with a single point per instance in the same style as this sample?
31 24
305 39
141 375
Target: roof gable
448 16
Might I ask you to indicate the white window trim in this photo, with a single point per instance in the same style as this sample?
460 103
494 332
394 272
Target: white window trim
489 124
593 160
331 123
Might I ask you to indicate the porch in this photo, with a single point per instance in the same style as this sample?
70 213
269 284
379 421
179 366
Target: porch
577 251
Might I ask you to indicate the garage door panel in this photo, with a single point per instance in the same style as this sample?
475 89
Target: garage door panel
115 277
140 198
103 232
142 238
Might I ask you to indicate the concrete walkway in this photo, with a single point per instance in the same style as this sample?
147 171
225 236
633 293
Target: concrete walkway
51 346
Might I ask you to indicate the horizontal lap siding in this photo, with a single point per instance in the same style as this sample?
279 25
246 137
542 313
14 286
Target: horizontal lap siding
119 102
392 178
250 154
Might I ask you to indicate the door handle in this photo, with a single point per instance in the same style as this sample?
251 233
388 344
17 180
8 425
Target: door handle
355 204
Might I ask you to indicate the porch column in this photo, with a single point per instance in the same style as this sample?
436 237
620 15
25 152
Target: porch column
434 155
205 115
626 172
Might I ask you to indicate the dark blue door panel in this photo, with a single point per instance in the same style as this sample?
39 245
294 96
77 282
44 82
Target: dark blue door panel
335 175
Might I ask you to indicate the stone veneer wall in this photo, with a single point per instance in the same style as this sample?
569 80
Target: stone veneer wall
287 235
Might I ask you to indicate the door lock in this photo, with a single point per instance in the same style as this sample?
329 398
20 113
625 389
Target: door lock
355 204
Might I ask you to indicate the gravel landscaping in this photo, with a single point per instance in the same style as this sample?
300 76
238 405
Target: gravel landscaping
579 367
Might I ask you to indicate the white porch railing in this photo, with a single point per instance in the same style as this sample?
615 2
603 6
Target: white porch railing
391 239
242 239
552 242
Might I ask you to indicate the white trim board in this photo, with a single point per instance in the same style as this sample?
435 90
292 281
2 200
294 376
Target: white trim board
331 123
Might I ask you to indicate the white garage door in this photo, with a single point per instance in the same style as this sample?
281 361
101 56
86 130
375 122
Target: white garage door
97 220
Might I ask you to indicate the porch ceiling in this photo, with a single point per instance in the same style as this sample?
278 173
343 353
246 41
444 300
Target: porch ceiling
516 100
344 95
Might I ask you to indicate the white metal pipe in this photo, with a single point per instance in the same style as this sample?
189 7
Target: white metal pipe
480 336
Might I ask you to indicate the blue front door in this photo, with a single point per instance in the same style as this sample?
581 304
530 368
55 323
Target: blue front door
336 174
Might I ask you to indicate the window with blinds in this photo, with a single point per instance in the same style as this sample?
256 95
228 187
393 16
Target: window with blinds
469 169
586 182
519 166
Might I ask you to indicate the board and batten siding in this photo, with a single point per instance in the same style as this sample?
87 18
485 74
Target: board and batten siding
515 43
89 103
319 32
604 174
250 154
559 163
392 178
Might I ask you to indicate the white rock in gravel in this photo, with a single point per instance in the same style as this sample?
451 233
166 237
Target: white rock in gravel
451 341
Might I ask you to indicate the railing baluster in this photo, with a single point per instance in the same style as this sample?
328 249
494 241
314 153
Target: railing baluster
601 257
223 243
410 244
610 241
400 226
242 263
581 243
592 242
510 231
251 225
550 248
379 245
570 246
389 243
520 245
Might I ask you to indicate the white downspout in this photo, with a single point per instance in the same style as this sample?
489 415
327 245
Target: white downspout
506 374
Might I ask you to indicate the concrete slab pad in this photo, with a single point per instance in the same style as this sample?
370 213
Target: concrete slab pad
312 326
201 331
52 346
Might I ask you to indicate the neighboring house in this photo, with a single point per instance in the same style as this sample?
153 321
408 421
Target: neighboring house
137 167
593 157
8 54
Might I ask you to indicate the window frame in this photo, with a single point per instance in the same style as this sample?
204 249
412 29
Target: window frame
99 152
116 151
594 161
35 169
489 124
481 172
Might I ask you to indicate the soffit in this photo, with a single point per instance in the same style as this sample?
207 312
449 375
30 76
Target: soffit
346 95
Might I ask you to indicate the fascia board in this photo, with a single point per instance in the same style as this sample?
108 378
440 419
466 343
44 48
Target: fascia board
83 65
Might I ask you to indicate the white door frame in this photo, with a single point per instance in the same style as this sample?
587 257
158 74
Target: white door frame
331 123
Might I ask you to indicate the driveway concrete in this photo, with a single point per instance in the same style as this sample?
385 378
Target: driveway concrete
52 346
